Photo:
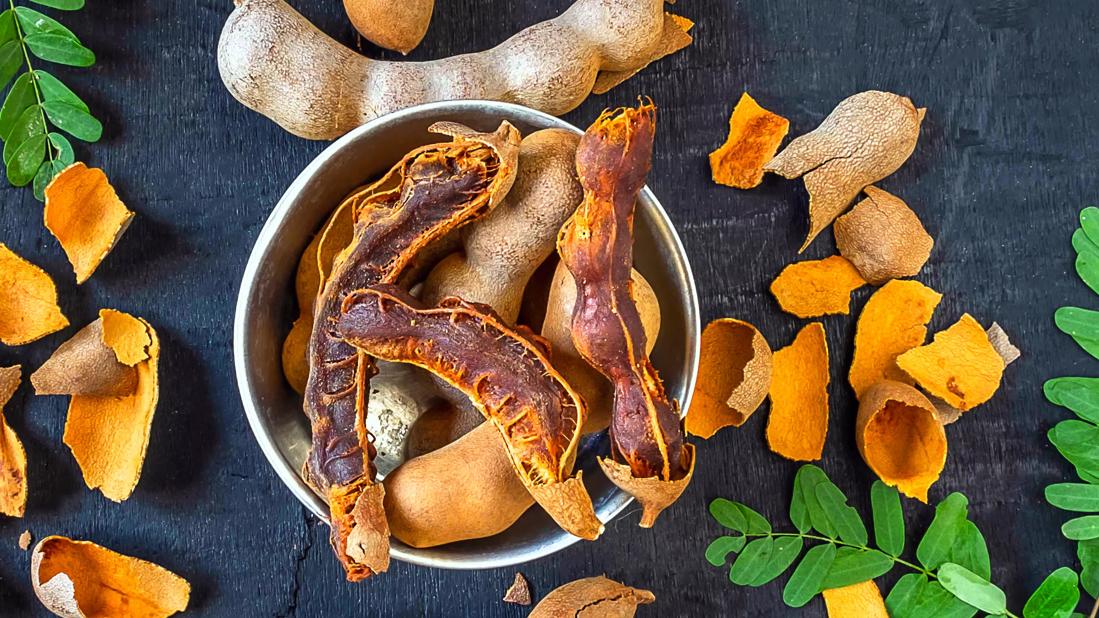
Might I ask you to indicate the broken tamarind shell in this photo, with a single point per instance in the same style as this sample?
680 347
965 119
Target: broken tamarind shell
85 365
596 245
592 597
505 373
430 192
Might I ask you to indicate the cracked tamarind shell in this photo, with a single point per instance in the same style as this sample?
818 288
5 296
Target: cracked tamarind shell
13 458
87 365
734 375
883 238
867 137
592 597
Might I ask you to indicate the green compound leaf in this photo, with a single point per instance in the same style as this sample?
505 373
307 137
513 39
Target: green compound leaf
1088 554
7 27
1089 223
853 566
1057 597
717 553
1083 528
1087 267
1080 324
799 510
785 550
11 60
937 543
53 90
28 125
20 97
751 561
60 49
885 502
64 148
727 514
1079 497
914 596
73 120
62 5
24 163
844 517
971 551
1081 395
972 589
806 481
1075 441
805 582
34 23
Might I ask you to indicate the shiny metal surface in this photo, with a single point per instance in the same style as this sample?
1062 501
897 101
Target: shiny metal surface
265 310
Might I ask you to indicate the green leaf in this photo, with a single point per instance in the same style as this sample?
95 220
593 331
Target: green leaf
1080 324
852 566
1088 554
937 543
24 164
64 148
755 523
972 589
1089 223
1081 242
62 5
1057 597
971 551
34 23
1083 528
844 517
1075 441
7 27
46 172
60 49
1081 395
786 549
807 480
727 514
805 582
1087 267
1087 477
1079 497
751 560
74 121
799 511
20 97
717 553
885 502
11 60
28 125
914 596
53 90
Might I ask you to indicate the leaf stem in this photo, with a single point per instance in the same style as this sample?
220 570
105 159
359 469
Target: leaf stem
914 567
34 77
1094 609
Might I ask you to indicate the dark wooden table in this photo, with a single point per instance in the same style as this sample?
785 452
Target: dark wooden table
1005 160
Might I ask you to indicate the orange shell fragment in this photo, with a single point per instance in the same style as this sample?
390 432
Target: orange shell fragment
108 436
28 301
893 321
85 215
754 137
900 437
814 288
798 424
127 336
960 366
734 375
79 579
883 238
13 459
862 600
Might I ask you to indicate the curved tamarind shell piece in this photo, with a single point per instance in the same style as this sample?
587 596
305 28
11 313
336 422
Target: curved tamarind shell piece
596 245
505 372
431 191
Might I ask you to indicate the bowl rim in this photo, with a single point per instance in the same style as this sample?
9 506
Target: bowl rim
267 236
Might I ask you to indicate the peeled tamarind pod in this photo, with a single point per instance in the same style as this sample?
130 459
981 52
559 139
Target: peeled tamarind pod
399 25
503 249
557 329
650 458
430 192
277 63
503 371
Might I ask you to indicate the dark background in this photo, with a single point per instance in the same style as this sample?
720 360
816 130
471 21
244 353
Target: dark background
1006 158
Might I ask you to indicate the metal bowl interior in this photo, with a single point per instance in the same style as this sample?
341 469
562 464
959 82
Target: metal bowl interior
265 309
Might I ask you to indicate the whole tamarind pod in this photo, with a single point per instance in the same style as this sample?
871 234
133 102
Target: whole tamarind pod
505 373
399 25
431 191
274 61
650 457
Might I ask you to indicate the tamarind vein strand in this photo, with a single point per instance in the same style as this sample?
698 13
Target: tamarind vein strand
274 61
650 458
506 374
433 190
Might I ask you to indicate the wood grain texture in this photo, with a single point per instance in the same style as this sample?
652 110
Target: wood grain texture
1005 159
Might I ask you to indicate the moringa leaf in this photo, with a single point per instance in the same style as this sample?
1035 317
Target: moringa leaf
1087 267
1079 497
754 522
1088 554
1089 223
799 510
786 549
46 172
937 543
1080 324
1083 528
971 551
73 120
28 125
11 60
1081 395
34 23
844 517
53 90
7 27
1075 441
751 560
24 163
727 514
853 566
717 553
1081 242
64 148
914 596
805 582
885 502
60 49
62 5
1057 597
806 481
20 97
972 589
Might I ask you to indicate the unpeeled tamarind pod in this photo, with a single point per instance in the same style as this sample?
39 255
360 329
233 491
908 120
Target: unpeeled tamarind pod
649 456
399 25
505 372
430 192
277 63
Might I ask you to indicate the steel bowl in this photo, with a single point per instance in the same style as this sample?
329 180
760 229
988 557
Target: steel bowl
265 309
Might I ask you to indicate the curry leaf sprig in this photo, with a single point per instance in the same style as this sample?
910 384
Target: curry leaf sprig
951 570
37 100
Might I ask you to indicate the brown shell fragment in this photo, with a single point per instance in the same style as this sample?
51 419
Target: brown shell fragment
592 597
900 437
13 458
25 540
429 193
85 365
28 301
867 137
79 579
505 374
673 37
883 238
519 591
596 245
654 493
754 137
734 375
